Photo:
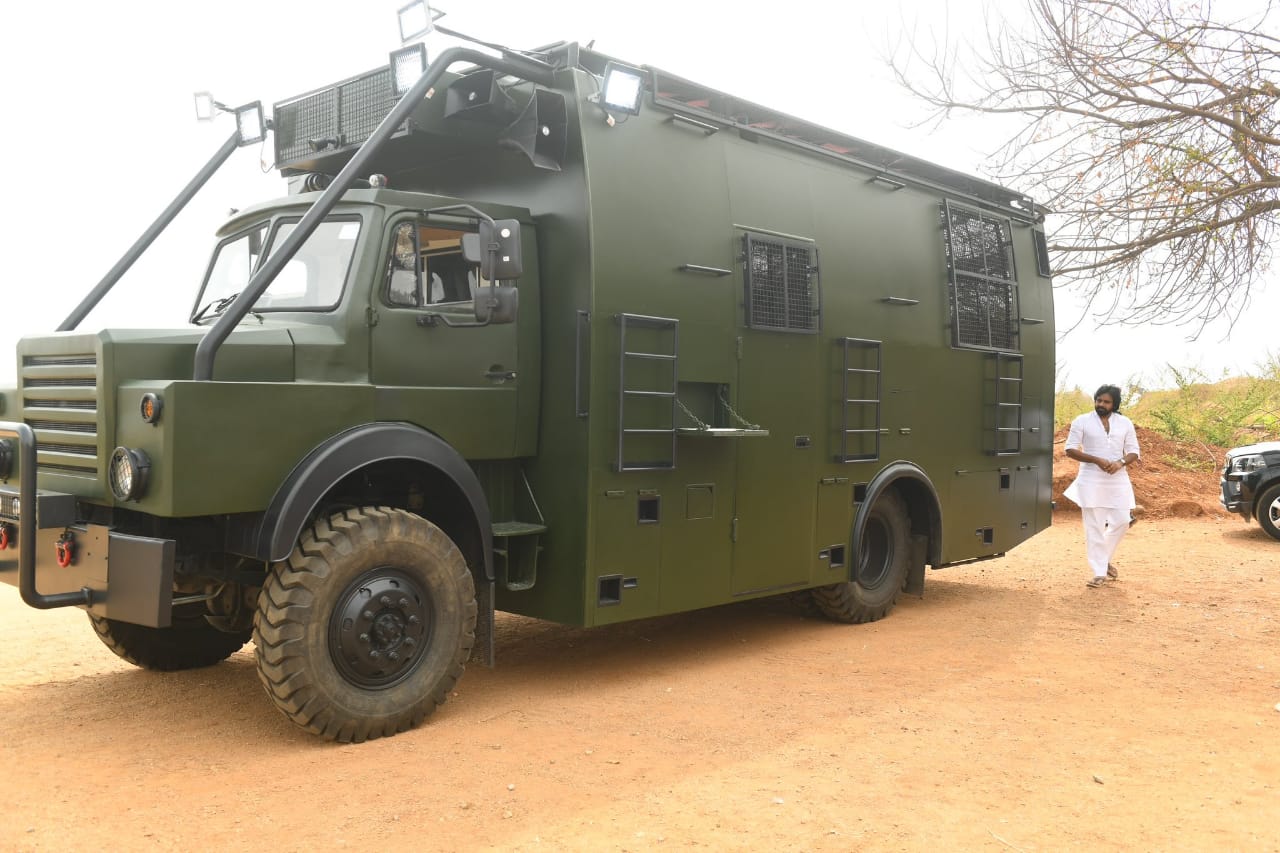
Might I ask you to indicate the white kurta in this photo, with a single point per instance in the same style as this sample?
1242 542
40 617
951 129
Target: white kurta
1094 487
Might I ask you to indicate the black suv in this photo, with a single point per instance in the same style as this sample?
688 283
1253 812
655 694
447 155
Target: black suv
1251 484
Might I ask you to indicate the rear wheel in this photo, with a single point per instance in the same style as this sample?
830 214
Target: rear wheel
364 630
880 570
189 643
1269 511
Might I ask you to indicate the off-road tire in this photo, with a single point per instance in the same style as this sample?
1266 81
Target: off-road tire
189 643
365 581
880 568
1269 511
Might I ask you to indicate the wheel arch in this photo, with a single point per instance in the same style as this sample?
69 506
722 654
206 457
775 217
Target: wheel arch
924 508
462 510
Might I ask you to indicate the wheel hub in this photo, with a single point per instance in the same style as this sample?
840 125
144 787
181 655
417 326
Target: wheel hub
380 628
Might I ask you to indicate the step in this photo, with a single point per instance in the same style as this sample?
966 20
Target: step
517 528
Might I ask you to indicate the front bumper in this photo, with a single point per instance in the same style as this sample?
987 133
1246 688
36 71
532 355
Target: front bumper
56 560
1238 492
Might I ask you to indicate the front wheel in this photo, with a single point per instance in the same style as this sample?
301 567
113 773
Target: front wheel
1269 511
880 570
189 642
365 628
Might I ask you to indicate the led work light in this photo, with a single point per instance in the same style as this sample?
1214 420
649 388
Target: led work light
206 107
622 89
407 65
416 20
250 124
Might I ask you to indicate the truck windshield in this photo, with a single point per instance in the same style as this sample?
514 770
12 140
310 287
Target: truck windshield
312 280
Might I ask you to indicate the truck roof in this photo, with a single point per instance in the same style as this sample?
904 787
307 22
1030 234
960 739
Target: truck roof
677 94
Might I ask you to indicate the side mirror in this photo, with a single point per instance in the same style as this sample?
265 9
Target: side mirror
497 304
496 249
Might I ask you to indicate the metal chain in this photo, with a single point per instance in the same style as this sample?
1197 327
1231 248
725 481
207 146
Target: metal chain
691 415
733 414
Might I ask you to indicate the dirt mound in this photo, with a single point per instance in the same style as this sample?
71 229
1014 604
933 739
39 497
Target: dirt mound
1175 479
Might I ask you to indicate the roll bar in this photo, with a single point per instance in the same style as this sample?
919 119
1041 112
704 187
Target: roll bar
162 221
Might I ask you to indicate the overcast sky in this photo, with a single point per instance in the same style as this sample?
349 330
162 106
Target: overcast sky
100 132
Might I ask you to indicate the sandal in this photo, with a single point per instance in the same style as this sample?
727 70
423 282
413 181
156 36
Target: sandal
1112 573
1094 583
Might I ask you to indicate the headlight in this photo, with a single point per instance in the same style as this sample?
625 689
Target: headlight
1244 464
6 458
127 473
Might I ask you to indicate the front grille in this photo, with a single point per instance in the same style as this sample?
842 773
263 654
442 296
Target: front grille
60 360
89 428
60 404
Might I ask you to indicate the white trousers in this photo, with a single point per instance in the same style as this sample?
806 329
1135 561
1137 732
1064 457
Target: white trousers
1104 527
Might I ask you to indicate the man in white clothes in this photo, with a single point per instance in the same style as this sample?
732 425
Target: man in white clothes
1104 443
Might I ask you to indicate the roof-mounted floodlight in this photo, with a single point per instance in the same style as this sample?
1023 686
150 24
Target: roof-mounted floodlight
250 124
622 89
407 65
416 20
207 108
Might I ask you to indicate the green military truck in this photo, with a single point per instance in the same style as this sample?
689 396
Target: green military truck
547 334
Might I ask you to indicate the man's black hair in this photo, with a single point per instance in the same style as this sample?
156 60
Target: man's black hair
1111 391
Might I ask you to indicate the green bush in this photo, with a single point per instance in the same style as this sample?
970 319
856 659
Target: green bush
1225 413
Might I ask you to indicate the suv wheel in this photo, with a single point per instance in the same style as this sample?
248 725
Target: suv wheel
1269 511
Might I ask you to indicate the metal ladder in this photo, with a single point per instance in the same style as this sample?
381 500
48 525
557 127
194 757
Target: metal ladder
860 387
625 393
1008 404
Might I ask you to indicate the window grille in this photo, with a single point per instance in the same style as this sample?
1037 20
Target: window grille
981 279
781 284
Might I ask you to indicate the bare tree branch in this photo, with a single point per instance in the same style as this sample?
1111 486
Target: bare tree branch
1151 131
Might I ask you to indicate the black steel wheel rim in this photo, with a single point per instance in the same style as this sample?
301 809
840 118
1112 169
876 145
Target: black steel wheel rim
381 628
875 555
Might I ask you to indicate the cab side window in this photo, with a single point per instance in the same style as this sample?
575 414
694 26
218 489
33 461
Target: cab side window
446 273
426 267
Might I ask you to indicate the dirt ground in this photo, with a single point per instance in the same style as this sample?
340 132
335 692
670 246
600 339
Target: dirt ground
1009 708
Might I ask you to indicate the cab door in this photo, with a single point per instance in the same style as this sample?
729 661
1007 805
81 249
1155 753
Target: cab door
433 364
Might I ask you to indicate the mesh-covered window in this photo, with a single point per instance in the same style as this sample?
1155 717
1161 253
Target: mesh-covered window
1042 252
781 284
983 284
